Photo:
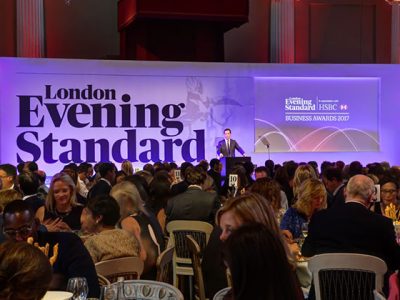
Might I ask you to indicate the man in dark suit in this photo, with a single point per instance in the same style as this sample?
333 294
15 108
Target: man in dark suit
351 227
215 173
73 259
333 181
227 147
107 179
194 203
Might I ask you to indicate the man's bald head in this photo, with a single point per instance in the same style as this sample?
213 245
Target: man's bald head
360 187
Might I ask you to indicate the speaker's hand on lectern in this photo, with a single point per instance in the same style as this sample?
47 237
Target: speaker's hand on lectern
220 155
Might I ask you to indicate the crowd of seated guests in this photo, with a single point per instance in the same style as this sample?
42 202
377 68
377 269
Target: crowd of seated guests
126 212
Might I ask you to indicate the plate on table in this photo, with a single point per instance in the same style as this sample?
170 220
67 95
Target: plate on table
57 295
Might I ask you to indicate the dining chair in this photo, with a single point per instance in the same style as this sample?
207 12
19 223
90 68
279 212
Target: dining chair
146 290
178 229
194 249
378 296
126 267
103 280
221 293
346 276
164 265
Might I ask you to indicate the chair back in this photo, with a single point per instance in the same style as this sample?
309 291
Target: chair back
103 280
346 275
127 267
200 231
146 290
194 249
164 261
221 293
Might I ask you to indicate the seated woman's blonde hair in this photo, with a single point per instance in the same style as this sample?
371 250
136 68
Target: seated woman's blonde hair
309 190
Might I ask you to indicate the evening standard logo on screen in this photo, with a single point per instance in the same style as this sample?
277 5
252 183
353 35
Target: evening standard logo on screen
299 104
114 121
300 109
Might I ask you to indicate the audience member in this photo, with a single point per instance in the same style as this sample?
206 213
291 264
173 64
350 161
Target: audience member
271 191
215 173
6 196
61 212
311 198
8 175
270 165
302 173
260 172
25 272
73 259
159 195
389 189
194 203
355 168
353 228
107 242
119 176
42 190
72 170
107 179
180 187
244 209
282 178
333 180
83 179
142 186
135 221
127 167
29 185
258 265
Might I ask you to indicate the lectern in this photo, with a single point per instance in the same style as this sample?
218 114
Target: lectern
178 30
229 162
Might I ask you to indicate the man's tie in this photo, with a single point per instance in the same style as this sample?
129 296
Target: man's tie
229 148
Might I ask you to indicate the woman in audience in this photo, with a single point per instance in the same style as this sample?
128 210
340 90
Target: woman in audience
135 221
271 191
160 192
389 190
107 242
282 178
25 272
258 265
311 198
244 209
302 173
127 167
142 187
61 212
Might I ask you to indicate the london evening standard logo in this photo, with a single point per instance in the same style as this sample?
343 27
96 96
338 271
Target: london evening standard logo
300 109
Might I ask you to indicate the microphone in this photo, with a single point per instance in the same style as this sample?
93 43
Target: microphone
265 141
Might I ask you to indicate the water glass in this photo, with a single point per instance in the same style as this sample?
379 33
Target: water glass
78 286
109 292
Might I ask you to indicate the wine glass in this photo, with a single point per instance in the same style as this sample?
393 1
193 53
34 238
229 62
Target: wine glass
109 292
304 229
78 286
